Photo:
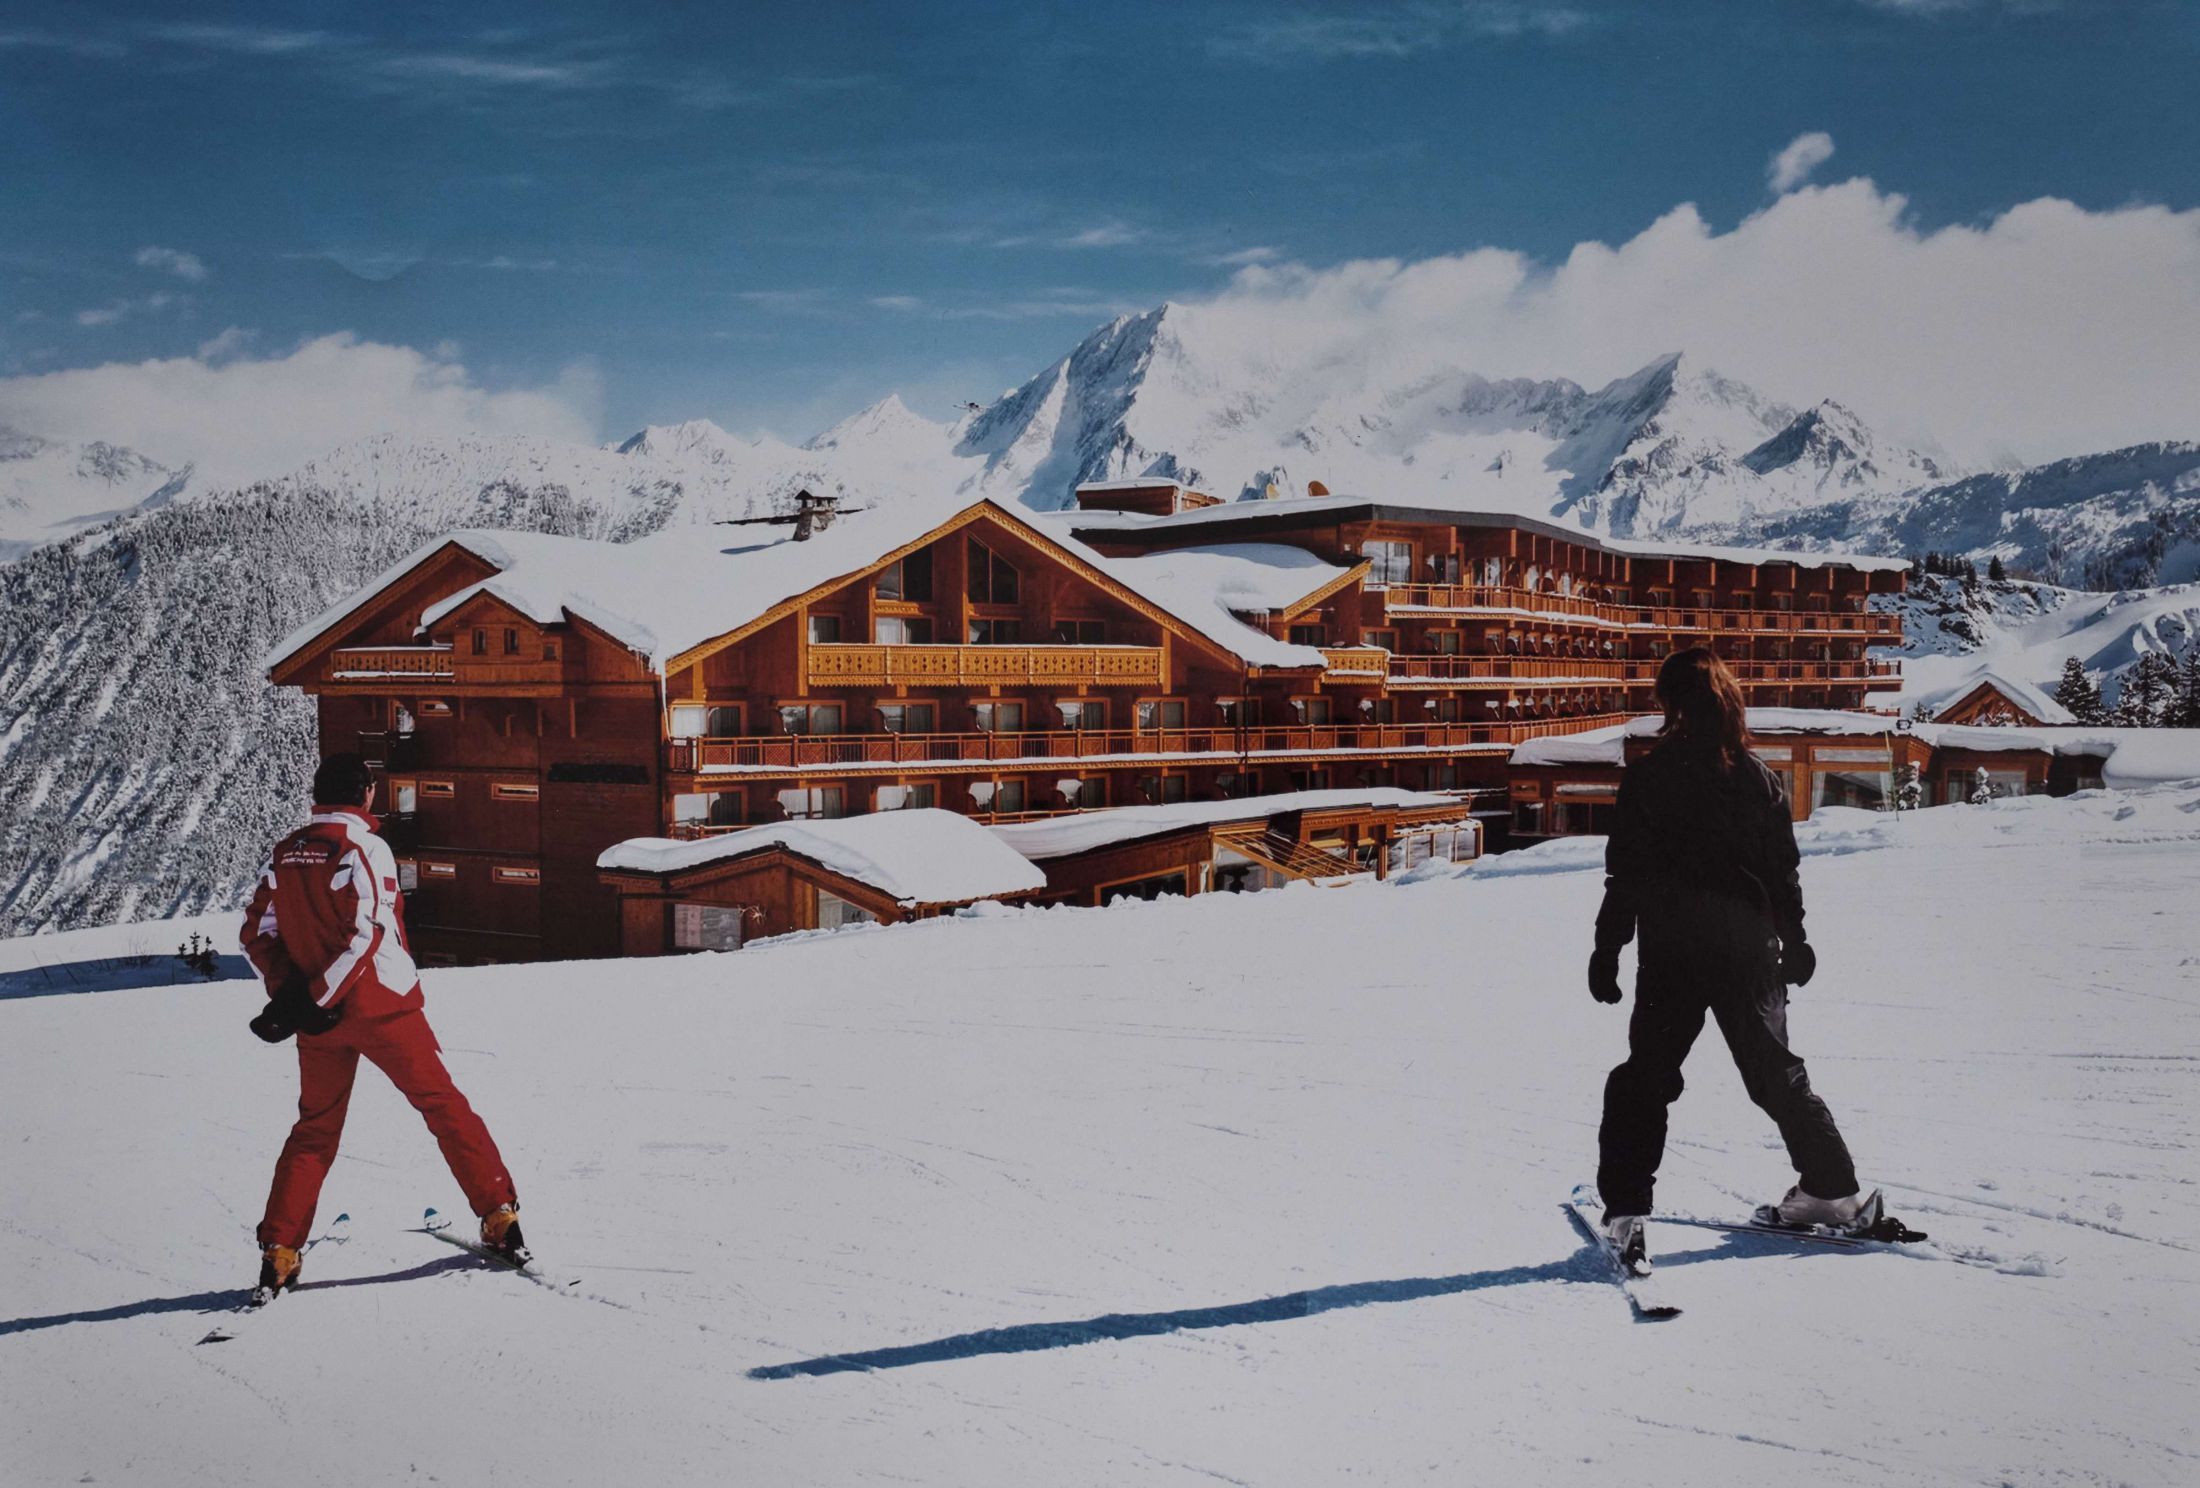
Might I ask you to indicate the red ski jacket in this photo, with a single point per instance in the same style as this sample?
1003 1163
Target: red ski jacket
327 906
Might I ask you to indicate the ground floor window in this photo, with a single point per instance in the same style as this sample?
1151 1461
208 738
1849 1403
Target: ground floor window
706 927
1456 844
1964 784
834 912
1859 788
1147 888
1234 873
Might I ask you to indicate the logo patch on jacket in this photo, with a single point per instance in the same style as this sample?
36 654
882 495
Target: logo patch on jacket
305 852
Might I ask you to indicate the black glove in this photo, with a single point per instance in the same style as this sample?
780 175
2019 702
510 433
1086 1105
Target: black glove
1604 976
293 1010
1798 962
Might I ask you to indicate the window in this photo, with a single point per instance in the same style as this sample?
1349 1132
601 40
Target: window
401 719
481 643
908 578
1309 780
1309 635
1232 786
836 913
996 632
728 809
907 797
1082 794
1147 889
1238 712
724 720
1082 713
706 927
689 721
408 875
691 809
1313 709
1081 632
1161 713
439 870
907 718
512 790
511 641
898 630
1493 571
814 803
437 790
824 630
809 718
1444 642
404 797
992 580
1444 567
1001 796
1851 788
520 876
549 650
434 708
1386 640
1392 562
1162 790
1000 718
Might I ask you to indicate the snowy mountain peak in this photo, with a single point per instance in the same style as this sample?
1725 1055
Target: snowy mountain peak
888 420
50 489
1832 441
694 439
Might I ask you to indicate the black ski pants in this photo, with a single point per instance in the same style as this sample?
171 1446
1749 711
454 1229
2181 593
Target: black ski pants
1710 954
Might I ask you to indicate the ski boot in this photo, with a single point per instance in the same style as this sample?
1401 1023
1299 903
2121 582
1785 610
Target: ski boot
500 1235
1629 1243
278 1273
1855 1215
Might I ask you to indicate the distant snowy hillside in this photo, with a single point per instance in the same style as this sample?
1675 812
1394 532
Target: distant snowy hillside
49 490
1954 633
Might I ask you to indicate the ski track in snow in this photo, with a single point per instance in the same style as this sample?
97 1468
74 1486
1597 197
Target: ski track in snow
1260 1190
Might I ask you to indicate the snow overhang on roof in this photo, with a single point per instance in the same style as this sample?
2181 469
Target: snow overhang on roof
1090 830
1286 510
917 856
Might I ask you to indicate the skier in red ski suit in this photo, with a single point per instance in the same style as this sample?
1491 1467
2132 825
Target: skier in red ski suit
326 930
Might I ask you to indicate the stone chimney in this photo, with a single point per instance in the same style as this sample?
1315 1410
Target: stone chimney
813 513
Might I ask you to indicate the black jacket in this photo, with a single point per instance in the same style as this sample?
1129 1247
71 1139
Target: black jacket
1686 828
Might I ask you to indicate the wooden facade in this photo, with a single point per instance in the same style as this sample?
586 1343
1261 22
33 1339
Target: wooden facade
988 668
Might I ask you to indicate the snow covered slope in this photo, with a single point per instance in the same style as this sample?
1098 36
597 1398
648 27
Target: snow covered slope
1257 1189
49 489
1953 634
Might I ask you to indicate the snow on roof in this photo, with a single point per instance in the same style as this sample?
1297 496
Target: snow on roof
1088 830
1134 483
1606 746
1209 587
2031 699
1436 511
489 546
918 856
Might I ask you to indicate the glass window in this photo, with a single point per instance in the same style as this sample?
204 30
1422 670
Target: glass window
1313 709
481 643
1082 794
1146 888
810 718
908 578
835 913
907 797
706 927
1866 789
1081 632
511 642
1082 713
690 809
1392 562
724 721
404 797
1164 789
1309 635
1000 718
985 632
408 875
907 718
1161 713
817 802
824 630
728 809
896 630
992 580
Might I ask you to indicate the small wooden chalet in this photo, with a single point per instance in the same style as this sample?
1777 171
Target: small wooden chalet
1996 701
1146 852
717 893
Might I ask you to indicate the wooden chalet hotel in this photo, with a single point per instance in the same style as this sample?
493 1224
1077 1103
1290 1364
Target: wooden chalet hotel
533 700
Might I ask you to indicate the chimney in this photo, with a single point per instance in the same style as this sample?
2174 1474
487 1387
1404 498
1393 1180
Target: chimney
813 513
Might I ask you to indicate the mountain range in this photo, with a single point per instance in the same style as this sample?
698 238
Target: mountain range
144 762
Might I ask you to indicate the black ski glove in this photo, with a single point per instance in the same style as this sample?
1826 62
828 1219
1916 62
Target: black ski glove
1604 976
293 1010
1798 962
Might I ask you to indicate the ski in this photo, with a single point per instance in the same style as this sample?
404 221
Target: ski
259 1297
438 1227
1888 1231
1644 1297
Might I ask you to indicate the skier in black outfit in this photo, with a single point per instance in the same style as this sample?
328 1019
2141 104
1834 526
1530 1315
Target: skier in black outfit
1702 864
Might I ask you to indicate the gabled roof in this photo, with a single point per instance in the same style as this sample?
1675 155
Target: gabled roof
683 592
1212 586
918 856
2033 700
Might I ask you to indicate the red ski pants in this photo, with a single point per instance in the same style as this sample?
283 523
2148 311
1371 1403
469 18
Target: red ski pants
403 1047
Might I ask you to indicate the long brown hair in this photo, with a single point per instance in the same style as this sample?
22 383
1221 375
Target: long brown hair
1703 705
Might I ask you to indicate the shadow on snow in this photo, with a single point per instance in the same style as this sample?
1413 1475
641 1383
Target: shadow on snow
224 1301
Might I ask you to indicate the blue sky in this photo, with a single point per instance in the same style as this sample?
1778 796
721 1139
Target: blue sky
771 214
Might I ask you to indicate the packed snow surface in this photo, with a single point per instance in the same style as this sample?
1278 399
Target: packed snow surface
1260 1189
918 856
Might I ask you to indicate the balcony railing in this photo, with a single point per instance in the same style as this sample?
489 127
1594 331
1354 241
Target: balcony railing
958 666
1502 669
1470 598
1113 746
362 662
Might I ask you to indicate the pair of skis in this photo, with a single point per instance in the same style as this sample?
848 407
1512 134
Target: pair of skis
1647 1298
431 1224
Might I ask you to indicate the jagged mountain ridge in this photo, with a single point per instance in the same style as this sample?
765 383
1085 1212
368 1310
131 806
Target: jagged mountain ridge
50 488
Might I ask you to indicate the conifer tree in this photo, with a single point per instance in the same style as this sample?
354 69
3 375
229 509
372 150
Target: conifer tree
1994 571
2184 709
2148 693
2077 692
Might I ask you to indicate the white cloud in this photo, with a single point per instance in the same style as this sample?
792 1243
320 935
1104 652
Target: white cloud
1259 253
1389 31
244 419
227 343
172 261
1793 165
2049 330
114 311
